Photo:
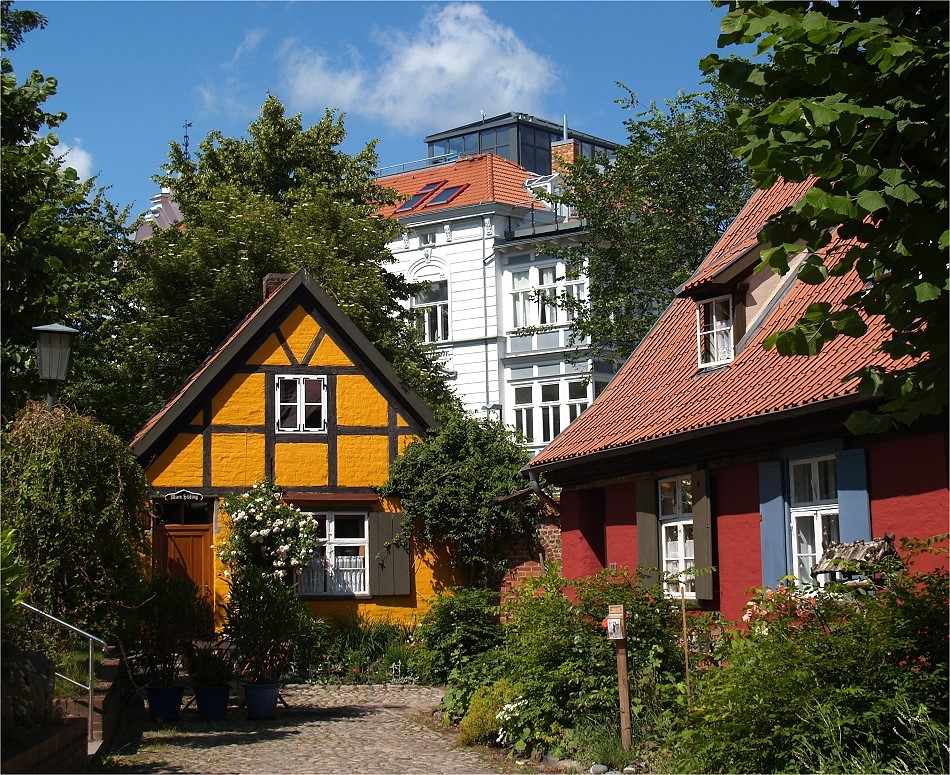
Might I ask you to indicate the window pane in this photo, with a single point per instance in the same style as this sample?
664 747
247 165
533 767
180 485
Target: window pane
827 480
288 417
519 280
547 275
829 530
288 390
671 533
313 418
688 543
313 391
686 495
551 392
668 506
523 395
576 390
802 483
349 527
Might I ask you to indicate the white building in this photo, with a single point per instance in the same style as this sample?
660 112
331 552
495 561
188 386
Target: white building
475 231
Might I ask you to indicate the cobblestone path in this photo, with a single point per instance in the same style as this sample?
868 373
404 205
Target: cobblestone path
337 729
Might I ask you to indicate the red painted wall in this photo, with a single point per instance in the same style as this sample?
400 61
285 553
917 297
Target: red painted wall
620 518
582 532
908 487
737 550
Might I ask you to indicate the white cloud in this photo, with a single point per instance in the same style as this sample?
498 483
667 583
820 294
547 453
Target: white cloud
457 63
252 39
77 158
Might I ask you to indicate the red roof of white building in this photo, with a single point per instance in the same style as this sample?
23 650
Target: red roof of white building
471 180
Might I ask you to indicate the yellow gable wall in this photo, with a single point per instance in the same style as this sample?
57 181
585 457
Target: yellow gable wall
270 354
362 461
299 330
240 401
359 403
301 465
180 465
329 354
237 459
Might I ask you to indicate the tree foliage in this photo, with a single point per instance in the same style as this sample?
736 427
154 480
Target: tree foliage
448 485
78 502
59 237
654 212
855 94
282 198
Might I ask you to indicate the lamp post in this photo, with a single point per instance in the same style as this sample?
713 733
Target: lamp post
53 348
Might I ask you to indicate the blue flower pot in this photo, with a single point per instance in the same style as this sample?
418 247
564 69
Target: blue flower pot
261 700
164 702
212 702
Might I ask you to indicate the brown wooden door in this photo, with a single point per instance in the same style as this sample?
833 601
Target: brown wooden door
185 551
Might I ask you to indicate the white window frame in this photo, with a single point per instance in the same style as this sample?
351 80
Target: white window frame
714 341
551 424
331 574
522 309
300 403
577 405
546 294
814 517
536 292
427 238
524 413
434 312
674 516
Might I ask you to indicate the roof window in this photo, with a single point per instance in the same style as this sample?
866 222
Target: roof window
418 198
446 195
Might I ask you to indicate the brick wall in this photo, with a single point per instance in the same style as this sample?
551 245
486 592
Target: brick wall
525 558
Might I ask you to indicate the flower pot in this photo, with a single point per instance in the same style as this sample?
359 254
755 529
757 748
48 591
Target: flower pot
212 702
164 702
261 700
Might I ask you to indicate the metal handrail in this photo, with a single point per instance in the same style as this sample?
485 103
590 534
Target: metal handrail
92 639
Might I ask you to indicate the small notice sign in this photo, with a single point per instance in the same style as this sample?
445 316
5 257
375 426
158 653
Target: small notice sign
615 623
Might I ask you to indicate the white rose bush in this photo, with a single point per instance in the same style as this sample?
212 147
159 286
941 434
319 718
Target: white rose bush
267 534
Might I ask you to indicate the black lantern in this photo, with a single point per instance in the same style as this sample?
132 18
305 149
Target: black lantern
53 348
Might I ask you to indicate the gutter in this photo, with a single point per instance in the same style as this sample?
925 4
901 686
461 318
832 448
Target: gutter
539 491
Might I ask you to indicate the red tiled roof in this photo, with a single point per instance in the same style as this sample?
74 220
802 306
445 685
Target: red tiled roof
489 178
660 392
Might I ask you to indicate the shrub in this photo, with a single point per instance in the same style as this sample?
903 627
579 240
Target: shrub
357 647
480 670
78 501
458 626
865 664
481 724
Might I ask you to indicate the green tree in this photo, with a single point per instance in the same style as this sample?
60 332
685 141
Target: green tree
654 212
78 502
59 237
282 198
855 94
449 485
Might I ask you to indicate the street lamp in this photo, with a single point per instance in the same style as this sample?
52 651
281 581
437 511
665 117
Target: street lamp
53 346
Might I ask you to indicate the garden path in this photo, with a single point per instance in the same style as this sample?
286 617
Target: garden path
335 729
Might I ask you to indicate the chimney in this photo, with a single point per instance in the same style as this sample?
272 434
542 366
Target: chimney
564 152
273 281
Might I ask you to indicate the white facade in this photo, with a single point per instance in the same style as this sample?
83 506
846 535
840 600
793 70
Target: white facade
489 278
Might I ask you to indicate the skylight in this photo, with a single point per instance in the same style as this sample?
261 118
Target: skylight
446 195
416 199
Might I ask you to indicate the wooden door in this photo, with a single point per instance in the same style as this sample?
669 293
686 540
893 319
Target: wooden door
184 551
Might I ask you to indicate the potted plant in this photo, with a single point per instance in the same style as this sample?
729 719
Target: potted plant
172 615
211 673
265 542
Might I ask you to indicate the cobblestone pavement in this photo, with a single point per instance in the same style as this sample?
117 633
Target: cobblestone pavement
325 729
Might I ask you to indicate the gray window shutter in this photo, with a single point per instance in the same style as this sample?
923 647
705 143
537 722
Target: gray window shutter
854 507
648 531
702 534
772 530
390 567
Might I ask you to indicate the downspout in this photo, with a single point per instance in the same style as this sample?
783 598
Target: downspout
485 260
539 491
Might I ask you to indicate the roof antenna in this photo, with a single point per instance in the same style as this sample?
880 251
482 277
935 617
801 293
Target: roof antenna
187 155
483 115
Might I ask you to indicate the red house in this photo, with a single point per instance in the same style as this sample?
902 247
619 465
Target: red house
708 451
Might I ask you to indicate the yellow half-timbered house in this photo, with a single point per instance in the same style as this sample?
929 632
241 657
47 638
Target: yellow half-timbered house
298 395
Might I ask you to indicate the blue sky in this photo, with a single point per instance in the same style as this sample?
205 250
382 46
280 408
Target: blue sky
132 73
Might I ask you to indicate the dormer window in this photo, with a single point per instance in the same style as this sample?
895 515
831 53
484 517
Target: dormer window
416 199
714 331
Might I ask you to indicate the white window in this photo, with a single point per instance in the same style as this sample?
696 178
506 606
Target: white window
676 533
301 404
432 306
339 566
524 412
576 290
427 238
550 411
714 331
814 513
546 295
577 400
521 306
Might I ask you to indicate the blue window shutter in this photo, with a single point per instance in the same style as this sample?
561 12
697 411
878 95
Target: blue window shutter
854 506
773 528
